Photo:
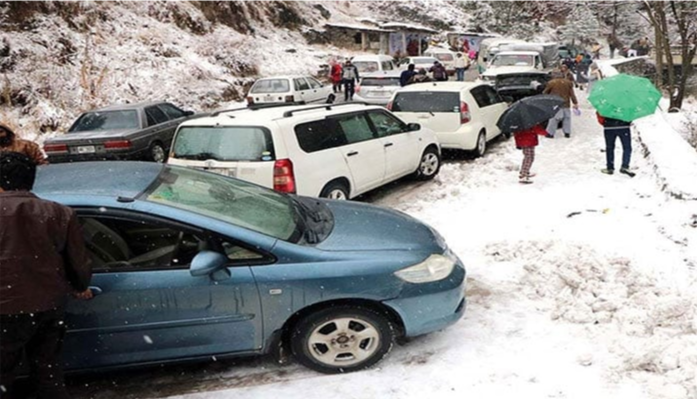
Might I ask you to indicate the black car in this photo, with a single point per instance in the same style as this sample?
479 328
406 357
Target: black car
514 86
141 131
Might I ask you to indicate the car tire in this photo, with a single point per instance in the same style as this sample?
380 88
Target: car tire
429 165
157 153
336 191
342 339
480 149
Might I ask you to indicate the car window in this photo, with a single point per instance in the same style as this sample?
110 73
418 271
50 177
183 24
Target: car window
229 200
426 101
119 244
155 116
171 111
386 124
387 66
224 143
106 120
271 86
300 84
355 128
319 135
366 66
368 81
443 56
492 95
240 254
480 96
314 83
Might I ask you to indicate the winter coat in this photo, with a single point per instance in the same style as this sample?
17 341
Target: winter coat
563 88
528 138
42 256
336 73
419 78
350 73
25 147
439 72
405 77
611 123
462 62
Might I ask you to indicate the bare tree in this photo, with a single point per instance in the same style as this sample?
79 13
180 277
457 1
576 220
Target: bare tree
667 17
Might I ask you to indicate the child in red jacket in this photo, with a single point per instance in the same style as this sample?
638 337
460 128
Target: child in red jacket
526 140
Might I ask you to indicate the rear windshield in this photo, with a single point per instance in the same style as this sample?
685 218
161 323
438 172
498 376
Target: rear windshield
443 56
227 143
366 66
380 82
423 60
271 86
106 120
426 101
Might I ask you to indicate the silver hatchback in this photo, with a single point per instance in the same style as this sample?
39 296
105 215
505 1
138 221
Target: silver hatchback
377 88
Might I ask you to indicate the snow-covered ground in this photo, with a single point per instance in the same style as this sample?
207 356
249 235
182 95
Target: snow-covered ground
581 285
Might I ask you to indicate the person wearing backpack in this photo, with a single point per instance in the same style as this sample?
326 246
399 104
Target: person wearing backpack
438 71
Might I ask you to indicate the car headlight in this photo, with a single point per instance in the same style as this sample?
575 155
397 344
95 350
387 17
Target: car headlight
435 267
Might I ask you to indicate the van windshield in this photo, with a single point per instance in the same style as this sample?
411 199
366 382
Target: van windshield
226 143
366 66
426 101
513 60
444 56
271 86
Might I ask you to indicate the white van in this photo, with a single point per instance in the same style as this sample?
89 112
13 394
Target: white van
332 151
373 63
289 89
463 114
444 56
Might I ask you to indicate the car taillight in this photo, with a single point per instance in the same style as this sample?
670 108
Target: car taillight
290 99
283 176
53 148
117 144
250 100
389 106
464 112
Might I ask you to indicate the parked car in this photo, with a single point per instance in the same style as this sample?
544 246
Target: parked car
193 265
419 62
373 63
463 114
140 131
377 88
514 86
289 89
332 151
445 56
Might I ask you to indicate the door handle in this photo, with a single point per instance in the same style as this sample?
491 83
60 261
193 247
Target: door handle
352 153
389 144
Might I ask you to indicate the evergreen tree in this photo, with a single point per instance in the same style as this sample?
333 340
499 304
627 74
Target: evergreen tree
581 26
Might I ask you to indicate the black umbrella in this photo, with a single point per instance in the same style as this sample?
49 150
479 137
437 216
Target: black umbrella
528 112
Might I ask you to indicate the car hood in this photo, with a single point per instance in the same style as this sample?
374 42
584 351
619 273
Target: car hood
91 135
493 71
362 227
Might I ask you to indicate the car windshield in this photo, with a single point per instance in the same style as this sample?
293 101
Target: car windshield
443 56
106 120
271 86
512 60
426 101
226 143
423 60
380 82
229 200
366 66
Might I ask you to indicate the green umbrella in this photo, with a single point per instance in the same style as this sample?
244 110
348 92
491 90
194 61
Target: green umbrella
624 97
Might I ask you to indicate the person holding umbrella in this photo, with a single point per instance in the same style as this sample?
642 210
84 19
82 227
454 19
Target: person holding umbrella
619 100
524 119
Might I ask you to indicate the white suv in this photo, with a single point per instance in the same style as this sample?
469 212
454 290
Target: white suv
332 151
289 89
463 114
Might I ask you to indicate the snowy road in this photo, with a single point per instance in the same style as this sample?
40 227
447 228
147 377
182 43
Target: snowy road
581 285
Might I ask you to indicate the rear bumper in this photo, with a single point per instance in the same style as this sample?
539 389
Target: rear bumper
465 138
425 308
371 100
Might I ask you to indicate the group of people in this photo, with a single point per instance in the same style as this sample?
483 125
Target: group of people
562 85
345 75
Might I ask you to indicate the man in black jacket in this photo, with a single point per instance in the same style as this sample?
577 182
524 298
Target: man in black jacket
42 259
349 77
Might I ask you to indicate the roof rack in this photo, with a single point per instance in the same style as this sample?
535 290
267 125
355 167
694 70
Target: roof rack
254 107
328 107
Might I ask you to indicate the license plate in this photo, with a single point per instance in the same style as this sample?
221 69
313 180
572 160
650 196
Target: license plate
85 149
268 98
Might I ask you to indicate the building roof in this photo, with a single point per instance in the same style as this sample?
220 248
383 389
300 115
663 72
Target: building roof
358 27
406 26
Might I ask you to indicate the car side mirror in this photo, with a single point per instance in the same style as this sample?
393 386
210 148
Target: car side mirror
413 127
208 263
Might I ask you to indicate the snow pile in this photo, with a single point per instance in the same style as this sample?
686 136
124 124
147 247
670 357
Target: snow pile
650 327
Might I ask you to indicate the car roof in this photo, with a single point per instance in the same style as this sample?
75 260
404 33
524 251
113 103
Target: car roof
113 179
284 77
382 74
261 116
517 53
440 86
372 57
118 107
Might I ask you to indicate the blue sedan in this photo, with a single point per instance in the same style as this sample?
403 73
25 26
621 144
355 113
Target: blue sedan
190 264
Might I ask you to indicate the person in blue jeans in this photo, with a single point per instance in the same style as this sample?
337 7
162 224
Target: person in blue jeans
613 129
